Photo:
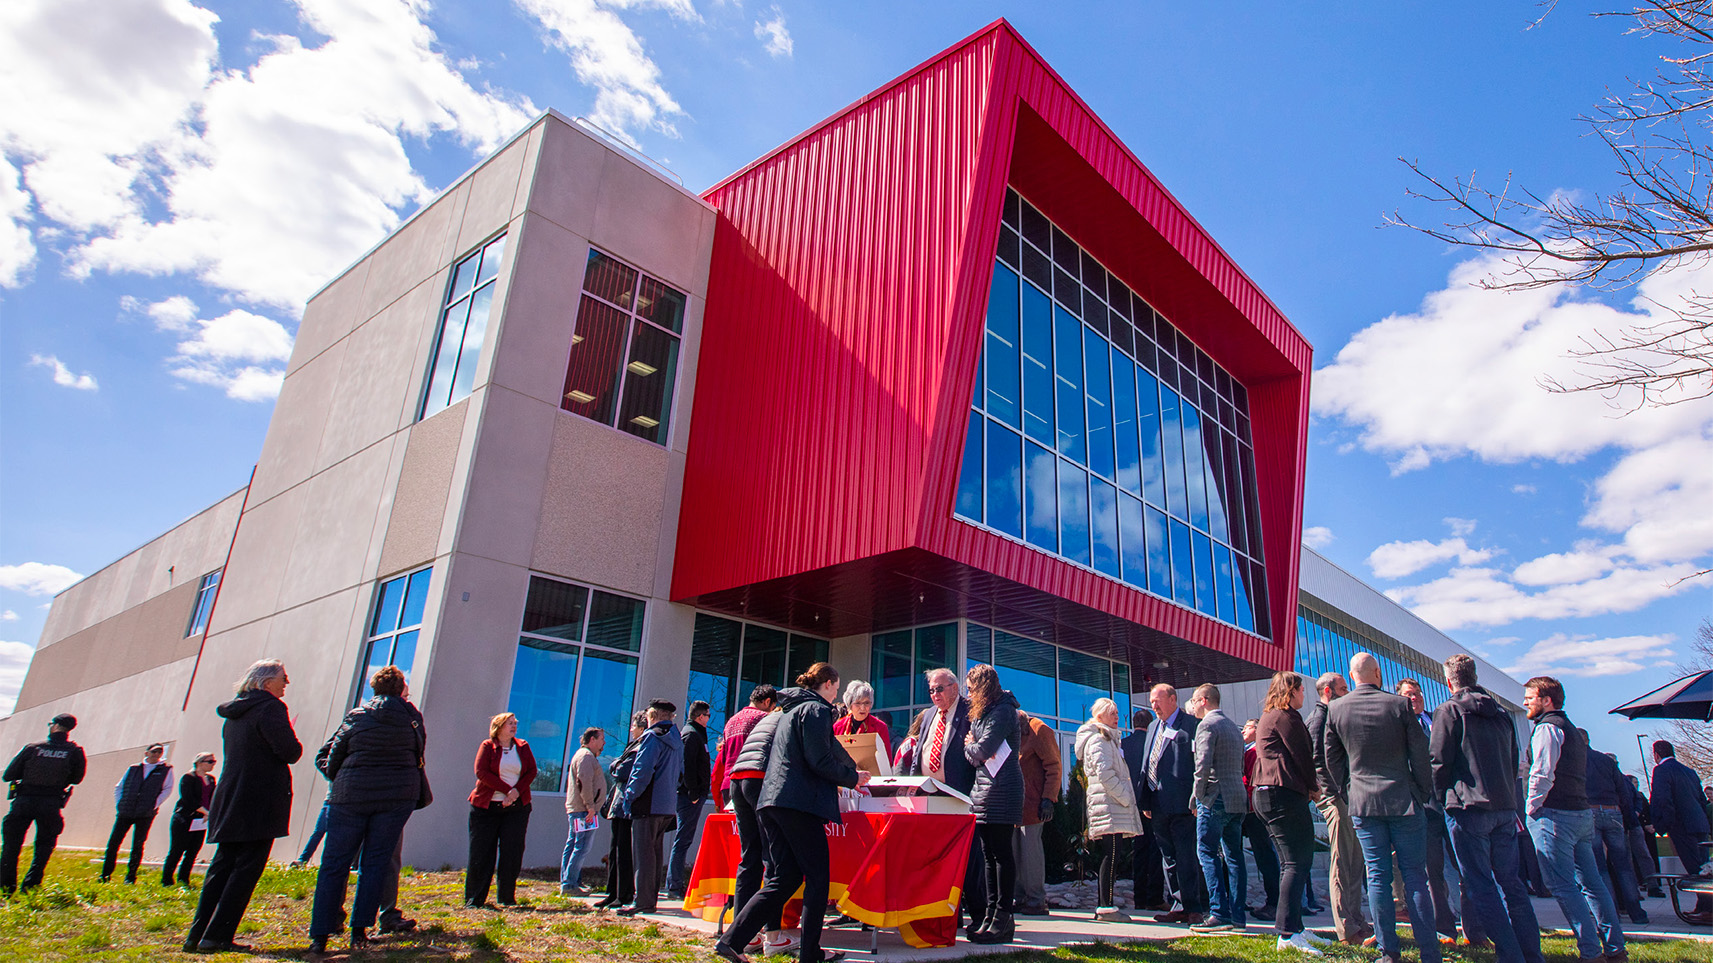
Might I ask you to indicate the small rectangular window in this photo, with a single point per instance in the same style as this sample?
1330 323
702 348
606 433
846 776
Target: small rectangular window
395 626
462 327
623 367
199 612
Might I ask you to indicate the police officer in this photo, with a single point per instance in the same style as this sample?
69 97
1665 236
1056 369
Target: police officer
41 775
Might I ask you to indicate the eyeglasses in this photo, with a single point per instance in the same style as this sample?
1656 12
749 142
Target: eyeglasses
937 689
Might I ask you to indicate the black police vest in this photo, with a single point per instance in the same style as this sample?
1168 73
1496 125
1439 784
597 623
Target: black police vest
48 770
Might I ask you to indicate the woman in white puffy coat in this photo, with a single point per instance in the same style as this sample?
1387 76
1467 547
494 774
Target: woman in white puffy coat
1112 812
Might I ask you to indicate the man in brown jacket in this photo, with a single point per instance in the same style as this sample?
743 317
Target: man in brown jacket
1042 776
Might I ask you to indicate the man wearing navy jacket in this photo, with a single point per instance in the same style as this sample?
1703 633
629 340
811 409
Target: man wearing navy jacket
1678 812
1168 778
136 799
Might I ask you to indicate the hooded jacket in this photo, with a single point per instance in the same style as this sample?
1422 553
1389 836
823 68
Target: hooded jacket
1111 797
996 797
806 765
253 800
373 757
652 789
1474 753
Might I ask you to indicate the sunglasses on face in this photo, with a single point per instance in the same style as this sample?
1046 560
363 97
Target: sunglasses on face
937 689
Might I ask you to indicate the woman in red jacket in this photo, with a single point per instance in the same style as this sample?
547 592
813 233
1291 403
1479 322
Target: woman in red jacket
859 699
499 812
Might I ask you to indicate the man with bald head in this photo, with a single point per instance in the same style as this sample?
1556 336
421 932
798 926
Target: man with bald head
1345 875
1377 755
1164 788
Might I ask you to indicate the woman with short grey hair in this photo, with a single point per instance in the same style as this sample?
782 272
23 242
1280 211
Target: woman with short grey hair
859 703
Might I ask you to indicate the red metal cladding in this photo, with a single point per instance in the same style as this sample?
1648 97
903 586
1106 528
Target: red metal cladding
846 300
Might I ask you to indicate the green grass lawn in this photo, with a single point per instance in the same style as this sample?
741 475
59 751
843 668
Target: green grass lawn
74 917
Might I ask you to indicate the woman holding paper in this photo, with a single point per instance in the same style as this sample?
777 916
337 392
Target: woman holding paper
997 796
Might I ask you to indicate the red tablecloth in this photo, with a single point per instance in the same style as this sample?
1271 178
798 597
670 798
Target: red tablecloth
892 870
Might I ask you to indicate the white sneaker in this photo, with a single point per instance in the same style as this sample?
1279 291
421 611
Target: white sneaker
790 944
1300 943
755 945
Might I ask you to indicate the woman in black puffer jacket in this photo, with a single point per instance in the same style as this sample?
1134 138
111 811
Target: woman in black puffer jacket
997 796
373 761
799 797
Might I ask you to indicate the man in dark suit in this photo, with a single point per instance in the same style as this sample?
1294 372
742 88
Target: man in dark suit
940 756
1377 755
1438 842
1678 812
1146 870
1163 793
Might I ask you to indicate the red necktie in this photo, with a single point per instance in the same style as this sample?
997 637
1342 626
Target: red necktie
935 750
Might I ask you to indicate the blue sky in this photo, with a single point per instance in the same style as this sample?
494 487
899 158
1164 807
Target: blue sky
179 177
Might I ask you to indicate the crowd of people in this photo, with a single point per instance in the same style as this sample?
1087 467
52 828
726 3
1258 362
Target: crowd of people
1403 794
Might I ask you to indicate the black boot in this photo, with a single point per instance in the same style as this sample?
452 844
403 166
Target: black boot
1002 928
984 932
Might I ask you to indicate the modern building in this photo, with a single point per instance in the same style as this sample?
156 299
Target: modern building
949 378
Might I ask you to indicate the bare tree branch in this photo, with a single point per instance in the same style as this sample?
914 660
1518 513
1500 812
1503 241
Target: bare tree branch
1660 220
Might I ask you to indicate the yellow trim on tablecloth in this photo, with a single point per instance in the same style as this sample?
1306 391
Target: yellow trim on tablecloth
897 918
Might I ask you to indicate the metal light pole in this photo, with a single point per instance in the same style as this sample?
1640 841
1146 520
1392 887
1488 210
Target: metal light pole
1647 772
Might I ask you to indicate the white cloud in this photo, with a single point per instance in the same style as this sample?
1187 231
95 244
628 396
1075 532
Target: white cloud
1317 536
262 182
1460 526
1568 655
775 39
1398 559
608 56
17 247
14 662
62 375
239 352
8 616
1489 596
37 578
1462 376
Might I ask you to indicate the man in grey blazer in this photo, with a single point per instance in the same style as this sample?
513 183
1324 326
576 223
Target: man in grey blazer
1221 804
1377 754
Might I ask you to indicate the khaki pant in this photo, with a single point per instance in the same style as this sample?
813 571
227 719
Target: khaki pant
1347 876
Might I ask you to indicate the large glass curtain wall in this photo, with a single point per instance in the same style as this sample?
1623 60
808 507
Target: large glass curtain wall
899 661
1326 644
729 658
1098 432
575 668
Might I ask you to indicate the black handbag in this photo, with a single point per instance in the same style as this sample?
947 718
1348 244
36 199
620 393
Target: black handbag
424 794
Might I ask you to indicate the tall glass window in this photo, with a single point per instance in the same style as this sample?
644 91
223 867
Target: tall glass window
1134 456
624 351
1051 682
1327 640
463 325
395 625
575 667
900 662
729 658
199 612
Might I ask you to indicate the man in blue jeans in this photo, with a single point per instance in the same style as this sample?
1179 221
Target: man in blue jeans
1610 796
1221 804
1377 755
1474 752
1562 825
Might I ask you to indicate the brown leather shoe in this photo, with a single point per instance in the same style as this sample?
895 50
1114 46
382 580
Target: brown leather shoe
1175 916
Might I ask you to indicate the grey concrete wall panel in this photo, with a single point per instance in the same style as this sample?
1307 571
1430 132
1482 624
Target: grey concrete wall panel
1339 589
419 501
601 508
260 554
506 478
330 315
568 176
335 527
541 309
289 453
493 191
139 638
414 253
190 550
377 390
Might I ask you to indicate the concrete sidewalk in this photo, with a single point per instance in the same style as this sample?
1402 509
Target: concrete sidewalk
1064 926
